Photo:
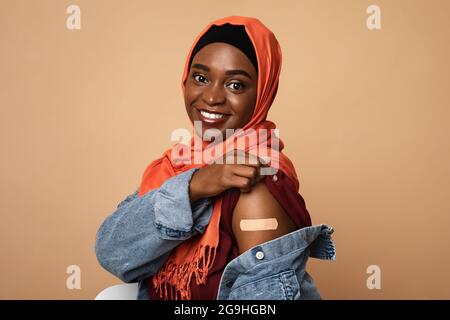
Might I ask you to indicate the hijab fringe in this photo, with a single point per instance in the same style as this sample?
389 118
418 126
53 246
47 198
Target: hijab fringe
178 277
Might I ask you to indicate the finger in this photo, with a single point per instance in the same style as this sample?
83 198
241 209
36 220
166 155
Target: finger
245 171
242 183
243 158
257 161
265 160
249 172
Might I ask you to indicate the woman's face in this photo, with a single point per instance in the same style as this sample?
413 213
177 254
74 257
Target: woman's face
221 87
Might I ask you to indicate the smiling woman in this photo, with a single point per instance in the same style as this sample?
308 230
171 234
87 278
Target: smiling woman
180 234
221 87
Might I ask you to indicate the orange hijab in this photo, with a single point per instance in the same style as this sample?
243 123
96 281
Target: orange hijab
195 256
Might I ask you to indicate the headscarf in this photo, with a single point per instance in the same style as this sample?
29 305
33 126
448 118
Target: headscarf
194 257
231 34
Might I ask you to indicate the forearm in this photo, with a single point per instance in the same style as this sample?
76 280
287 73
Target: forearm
136 240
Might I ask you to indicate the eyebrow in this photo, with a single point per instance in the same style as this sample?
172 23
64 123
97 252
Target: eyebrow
228 72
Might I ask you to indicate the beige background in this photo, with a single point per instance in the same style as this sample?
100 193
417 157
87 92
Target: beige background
364 116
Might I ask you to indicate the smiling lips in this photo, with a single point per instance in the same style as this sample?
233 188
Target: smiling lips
212 117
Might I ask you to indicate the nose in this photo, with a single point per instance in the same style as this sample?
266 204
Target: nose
214 94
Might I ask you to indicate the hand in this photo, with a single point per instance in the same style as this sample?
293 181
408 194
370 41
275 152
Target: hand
241 171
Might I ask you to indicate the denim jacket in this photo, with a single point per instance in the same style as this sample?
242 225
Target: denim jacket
137 239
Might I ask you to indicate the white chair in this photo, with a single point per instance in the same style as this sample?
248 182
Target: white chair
127 291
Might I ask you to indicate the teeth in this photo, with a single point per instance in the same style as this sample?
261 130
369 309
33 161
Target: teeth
211 115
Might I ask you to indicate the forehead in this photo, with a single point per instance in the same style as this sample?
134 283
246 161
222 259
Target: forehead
221 55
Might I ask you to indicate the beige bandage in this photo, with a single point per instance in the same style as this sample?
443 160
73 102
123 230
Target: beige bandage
259 224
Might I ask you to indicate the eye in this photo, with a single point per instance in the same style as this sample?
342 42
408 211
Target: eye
236 86
199 78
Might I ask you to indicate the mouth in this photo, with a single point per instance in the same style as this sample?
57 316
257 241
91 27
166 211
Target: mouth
211 117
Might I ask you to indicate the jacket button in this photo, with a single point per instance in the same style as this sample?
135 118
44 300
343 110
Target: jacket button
260 255
274 178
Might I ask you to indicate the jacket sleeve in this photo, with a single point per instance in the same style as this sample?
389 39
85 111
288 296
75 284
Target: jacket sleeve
136 240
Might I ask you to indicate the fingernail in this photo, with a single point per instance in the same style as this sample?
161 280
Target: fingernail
265 160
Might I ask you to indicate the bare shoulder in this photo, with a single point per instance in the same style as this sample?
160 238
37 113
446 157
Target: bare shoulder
258 218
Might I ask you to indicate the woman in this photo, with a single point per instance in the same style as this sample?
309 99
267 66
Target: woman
199 228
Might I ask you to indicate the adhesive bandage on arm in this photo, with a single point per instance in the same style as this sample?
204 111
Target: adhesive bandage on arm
258 224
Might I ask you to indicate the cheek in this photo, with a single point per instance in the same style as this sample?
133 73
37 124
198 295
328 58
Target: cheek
244 108
188 96
187 104
191 92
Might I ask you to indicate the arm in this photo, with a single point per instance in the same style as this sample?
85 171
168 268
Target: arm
136 240
259 204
